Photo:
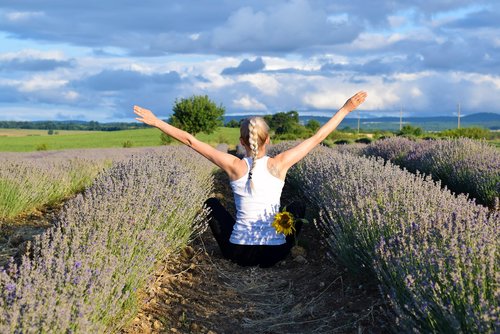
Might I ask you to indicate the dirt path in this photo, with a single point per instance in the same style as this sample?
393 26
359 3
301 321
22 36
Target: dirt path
200 292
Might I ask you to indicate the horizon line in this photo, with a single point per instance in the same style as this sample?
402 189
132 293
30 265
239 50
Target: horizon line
353 115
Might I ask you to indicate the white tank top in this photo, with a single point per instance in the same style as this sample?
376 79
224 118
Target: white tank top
255 210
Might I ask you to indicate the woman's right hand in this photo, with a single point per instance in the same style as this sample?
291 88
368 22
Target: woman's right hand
355 101
146 116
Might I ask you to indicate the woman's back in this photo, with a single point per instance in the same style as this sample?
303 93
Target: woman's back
257 206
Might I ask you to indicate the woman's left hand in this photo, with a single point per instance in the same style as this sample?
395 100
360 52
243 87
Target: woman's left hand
146 116
355 101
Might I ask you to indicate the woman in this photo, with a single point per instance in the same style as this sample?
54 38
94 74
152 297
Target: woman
257 181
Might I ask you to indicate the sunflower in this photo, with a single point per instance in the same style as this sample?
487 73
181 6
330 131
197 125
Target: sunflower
283 223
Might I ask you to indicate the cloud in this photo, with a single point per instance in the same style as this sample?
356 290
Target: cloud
9 94
478 19
40 83
324 100
245 67
118 90
22 16
181 26
447 6
266 84
248 103
384 65
461 55
33 61
284 27
121 80
33 65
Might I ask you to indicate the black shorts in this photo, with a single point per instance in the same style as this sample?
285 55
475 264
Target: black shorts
221 223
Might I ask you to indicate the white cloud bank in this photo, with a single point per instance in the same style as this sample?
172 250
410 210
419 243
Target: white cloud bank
249 55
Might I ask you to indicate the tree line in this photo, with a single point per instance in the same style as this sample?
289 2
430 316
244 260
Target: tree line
198 113
69 125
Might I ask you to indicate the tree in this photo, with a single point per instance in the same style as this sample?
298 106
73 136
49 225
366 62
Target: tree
232 124
410 131
94 126
197 114
313 125
283 123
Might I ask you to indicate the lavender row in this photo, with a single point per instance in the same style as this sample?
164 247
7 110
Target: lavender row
33 180
81 276
464 165
435 254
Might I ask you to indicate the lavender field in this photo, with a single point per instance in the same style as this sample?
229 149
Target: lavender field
82 274
463 165
435 254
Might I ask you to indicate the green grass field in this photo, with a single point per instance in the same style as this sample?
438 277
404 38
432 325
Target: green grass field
17 140
31 140
38 133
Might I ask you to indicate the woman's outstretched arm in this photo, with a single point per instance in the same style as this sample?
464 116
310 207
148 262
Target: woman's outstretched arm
227 162
287 159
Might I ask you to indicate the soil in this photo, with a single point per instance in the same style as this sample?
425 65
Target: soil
198 291
16 233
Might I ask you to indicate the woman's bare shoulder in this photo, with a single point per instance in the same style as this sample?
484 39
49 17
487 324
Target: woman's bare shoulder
240 169
273 167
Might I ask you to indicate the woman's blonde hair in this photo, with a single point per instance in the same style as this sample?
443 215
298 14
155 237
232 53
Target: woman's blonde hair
254 132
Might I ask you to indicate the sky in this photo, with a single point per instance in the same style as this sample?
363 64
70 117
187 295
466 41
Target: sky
95 59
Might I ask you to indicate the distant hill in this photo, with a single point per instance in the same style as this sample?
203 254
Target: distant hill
486 120
482 117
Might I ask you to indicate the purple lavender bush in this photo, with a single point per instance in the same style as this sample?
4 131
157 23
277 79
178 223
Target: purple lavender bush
464 165
81 276
435 254
394 149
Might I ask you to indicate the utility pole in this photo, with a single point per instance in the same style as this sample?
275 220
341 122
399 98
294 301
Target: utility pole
458 107
401 118
358 121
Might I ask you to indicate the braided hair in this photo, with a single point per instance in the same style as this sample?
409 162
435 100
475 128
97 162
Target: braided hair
254 132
